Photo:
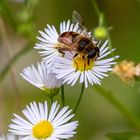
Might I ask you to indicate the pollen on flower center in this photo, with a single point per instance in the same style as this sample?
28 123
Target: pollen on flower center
42 130
82 64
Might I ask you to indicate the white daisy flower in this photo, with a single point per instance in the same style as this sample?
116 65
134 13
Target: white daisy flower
41 124
87 70
48 42
8 137
41 78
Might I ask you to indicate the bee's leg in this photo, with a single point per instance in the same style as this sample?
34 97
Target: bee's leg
88 61
75 54
83 57
62 53
75 60
98 54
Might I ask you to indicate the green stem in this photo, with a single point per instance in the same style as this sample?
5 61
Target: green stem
6 69
51 99
133 119
96 7
50 96
7 14
102 19
110 43
79 99
63 95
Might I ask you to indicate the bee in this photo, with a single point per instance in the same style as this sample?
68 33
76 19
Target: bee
79 42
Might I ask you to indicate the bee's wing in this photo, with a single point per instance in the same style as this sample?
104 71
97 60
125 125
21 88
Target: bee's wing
76 18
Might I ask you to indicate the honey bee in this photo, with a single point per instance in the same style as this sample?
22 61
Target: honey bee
79 42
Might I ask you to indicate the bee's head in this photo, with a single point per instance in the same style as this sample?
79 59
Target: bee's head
94 53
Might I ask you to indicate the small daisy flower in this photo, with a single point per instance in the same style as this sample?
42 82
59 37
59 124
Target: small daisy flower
127 71
41 78
137 70
8 137
87 70
40 124
48 43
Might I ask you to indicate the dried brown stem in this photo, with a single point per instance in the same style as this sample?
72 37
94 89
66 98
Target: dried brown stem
7 44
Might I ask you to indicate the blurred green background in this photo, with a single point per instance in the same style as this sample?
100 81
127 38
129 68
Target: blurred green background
97 117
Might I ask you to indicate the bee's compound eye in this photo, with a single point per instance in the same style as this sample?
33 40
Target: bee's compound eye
97 49
93 53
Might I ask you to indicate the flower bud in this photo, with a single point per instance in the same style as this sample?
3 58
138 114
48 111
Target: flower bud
100 33
23 16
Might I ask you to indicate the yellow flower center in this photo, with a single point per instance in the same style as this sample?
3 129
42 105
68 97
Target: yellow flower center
82 64
42 130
